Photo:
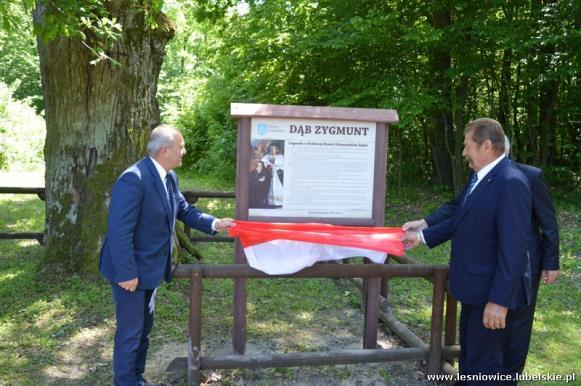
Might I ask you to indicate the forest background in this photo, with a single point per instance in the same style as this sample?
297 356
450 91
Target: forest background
439 64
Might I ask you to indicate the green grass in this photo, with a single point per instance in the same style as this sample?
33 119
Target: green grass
48 329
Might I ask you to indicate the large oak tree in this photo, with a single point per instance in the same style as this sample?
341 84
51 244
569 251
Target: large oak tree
100 106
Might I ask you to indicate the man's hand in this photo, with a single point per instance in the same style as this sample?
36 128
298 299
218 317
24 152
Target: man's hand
410 240
129 285
223 224
494 316
549 277
416 225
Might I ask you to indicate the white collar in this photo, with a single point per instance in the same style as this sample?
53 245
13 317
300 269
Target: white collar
160 170
486 169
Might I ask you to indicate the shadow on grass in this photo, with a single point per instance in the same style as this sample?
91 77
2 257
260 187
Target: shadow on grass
50 332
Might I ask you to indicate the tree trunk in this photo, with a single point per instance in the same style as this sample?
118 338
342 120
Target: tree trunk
548 121
98 120
504 92
516 146
461 101
440 63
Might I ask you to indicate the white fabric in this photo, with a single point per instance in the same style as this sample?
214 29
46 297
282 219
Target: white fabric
275 193
280 257
152 301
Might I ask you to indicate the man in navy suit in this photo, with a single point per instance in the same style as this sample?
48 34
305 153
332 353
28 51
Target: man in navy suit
544 256
136 252
489 265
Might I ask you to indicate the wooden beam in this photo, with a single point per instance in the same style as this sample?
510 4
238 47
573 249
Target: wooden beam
316 271
255 361
23 236
195 328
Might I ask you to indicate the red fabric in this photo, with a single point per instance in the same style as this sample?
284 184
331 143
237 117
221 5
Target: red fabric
383 239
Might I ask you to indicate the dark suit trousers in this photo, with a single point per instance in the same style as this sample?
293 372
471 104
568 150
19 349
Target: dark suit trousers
521 330
134 324
481 349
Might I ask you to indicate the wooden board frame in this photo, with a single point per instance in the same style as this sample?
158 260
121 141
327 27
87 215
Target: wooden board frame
244 113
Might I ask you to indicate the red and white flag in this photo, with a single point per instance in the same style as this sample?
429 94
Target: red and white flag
285 248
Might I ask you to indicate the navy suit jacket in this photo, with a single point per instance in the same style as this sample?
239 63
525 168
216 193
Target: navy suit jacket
544 249
490 237
141 224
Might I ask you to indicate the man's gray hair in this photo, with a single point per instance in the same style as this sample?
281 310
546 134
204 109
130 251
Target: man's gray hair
506 145
162 135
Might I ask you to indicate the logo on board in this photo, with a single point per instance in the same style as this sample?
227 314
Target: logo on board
262 128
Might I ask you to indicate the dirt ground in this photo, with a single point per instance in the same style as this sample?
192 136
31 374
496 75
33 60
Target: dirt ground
86 360
343 331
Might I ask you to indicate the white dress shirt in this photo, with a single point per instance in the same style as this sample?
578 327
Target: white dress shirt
162 174
485 170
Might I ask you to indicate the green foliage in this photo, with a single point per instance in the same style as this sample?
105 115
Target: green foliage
503 56
91 21
19 65
211 138
22 134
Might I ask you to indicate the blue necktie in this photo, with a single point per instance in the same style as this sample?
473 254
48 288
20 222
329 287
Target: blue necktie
470 187
169 192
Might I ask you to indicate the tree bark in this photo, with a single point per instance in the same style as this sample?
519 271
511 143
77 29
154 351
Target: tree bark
548 120
504 92
98 120
461 101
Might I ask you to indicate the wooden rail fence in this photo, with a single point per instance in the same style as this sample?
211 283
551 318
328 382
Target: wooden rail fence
196 273
439 356
191 196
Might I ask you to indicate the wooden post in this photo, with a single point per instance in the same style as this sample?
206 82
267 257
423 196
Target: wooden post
385 291
242 203
435 351
371 313
195 328
373 286
451 315
240 298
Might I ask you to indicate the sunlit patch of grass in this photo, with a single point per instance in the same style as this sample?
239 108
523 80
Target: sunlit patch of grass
8 276
203 182
86 343
214 205
21 213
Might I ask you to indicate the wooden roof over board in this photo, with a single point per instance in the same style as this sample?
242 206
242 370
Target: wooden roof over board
249 110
